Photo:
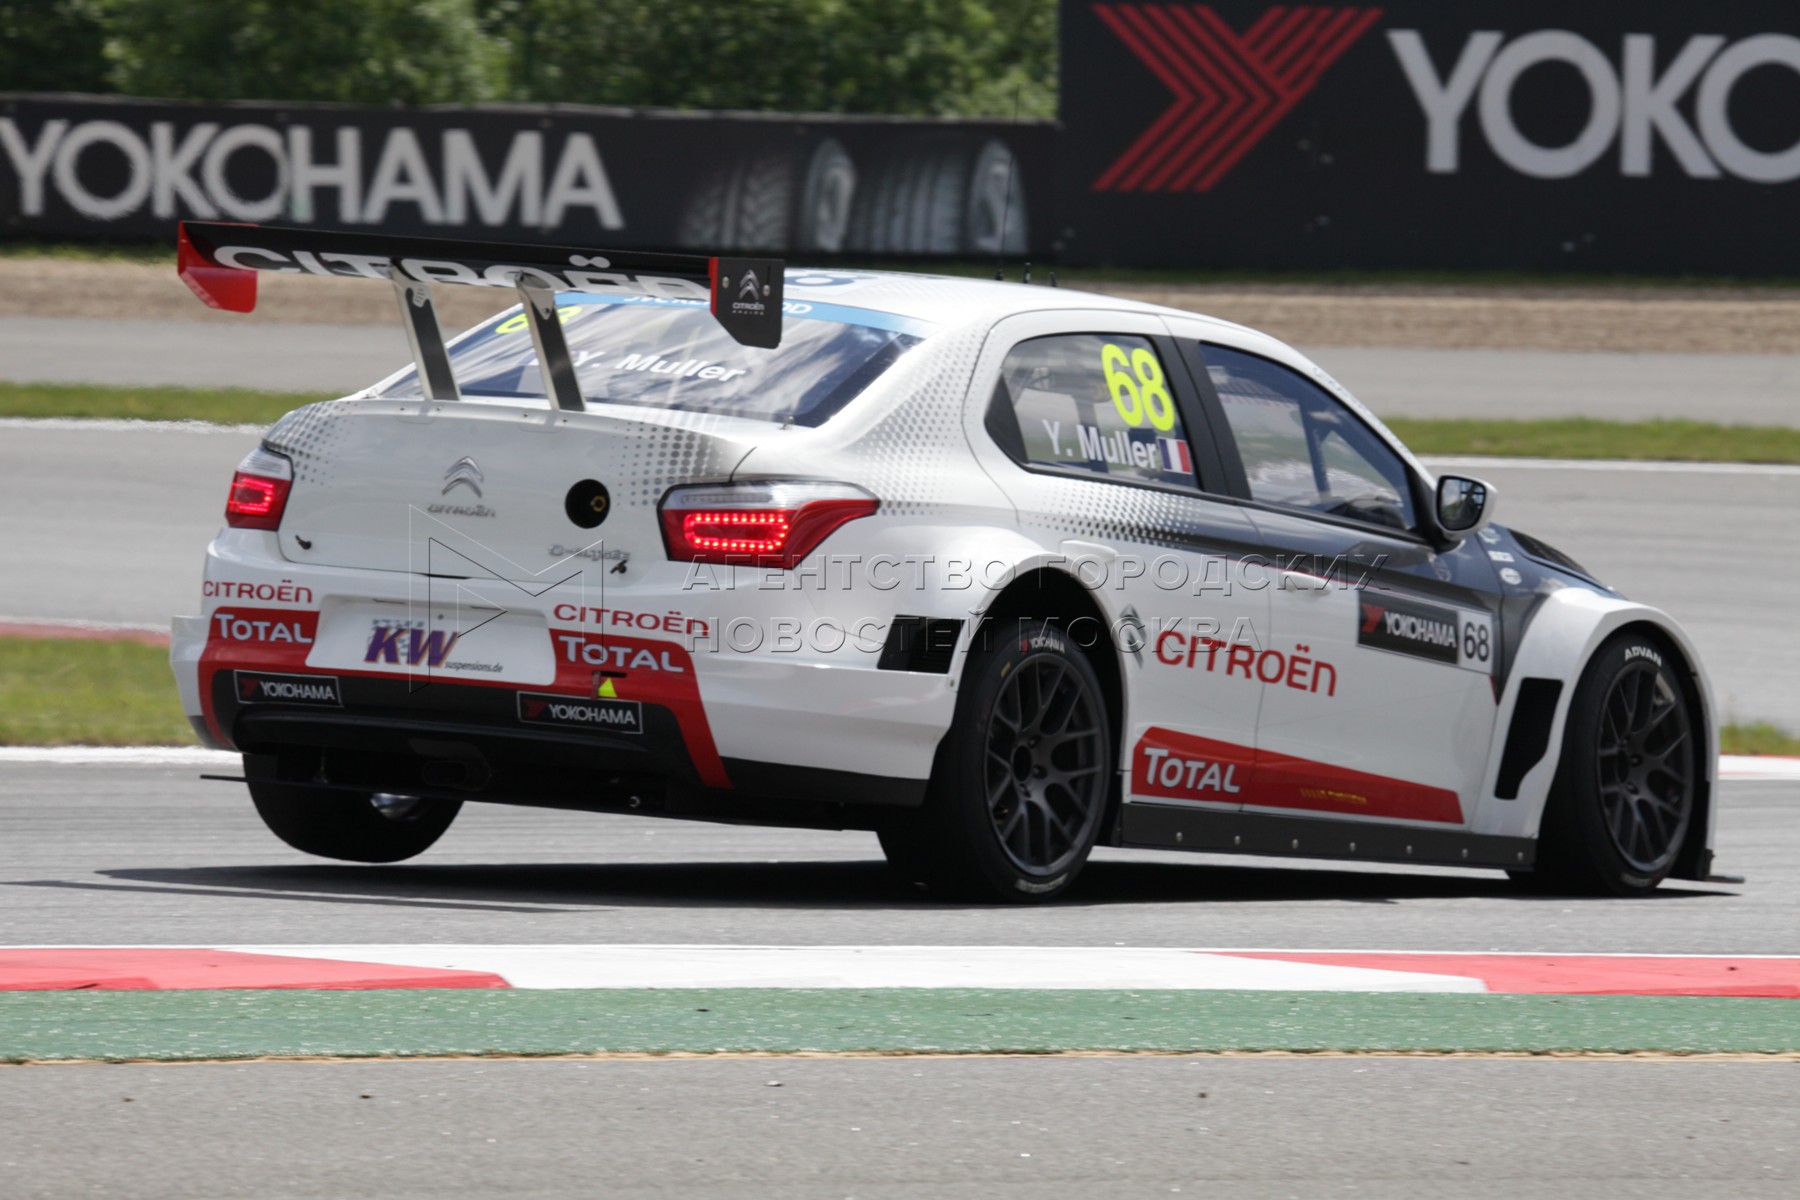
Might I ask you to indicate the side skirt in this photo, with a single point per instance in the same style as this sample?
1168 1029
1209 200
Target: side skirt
1166 827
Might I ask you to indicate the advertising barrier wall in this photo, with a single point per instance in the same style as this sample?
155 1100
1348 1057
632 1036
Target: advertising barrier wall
105 167
1508 134
1529 135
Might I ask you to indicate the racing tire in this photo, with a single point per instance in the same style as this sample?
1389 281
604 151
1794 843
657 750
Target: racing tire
907 852
746 206
827 198
1022 782
1625 795
942 194
353 826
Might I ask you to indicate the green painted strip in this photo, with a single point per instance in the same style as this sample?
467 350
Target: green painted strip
243 1024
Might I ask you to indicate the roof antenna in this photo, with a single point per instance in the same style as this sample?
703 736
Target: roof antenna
1012 165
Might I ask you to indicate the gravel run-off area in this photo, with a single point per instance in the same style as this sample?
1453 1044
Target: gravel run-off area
1695 320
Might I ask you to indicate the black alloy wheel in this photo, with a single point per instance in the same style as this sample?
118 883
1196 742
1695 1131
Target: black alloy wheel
1046 752
1626 792
1644 766
1023 778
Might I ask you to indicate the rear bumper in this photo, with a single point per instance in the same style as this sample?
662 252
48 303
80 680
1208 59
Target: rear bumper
707 729
468 760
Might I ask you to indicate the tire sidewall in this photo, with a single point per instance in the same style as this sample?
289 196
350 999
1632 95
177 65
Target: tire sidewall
1582 820
344 825
1011 646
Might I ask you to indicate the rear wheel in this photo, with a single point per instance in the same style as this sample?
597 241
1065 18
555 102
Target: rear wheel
354 826
1021 787
1624 797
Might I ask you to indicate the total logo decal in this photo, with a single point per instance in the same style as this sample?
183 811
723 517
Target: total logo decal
1455 637
1230 89
236 627
638 657
1170 765
1179 766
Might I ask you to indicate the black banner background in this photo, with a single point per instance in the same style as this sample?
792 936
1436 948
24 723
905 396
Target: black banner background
1341 181
105 167
1305 146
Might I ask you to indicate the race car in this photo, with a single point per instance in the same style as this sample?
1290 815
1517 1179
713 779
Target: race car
999 572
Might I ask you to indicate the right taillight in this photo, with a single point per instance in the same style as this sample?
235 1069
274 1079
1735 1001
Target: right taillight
259 491
758 524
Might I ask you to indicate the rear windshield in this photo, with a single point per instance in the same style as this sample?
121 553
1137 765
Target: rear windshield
672 354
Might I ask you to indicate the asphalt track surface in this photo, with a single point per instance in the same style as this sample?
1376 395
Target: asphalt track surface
991 1128
113 526
1753 389
120 855
153 855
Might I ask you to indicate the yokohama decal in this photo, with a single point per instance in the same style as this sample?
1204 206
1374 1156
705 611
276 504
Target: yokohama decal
1181 766
1230 89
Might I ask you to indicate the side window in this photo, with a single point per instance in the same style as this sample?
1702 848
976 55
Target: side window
1100 403
1301 448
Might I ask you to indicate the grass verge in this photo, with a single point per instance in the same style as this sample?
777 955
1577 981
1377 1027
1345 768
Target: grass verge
1581 437
172 1026
1669 441
226 406
88 692
1759 737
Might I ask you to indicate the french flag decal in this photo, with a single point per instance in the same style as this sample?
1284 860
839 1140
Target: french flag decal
1175 456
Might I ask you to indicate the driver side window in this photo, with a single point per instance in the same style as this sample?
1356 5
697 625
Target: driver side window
1301 448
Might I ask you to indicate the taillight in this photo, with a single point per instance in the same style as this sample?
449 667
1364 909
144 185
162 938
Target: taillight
757 524
259 491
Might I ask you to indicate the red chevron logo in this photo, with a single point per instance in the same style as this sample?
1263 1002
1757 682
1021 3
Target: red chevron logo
1230 89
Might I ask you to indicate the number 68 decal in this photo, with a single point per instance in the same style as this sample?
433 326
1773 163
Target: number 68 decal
1138 388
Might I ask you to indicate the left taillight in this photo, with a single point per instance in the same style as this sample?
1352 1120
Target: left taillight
259 490
772 524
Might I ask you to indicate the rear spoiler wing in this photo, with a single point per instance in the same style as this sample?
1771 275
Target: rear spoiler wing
218 261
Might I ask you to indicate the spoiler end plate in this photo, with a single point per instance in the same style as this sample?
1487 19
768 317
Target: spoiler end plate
230 288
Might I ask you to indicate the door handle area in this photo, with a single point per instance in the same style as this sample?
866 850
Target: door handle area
1304 584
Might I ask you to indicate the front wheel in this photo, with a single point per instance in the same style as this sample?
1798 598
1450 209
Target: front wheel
353 826
1624 797
1023 781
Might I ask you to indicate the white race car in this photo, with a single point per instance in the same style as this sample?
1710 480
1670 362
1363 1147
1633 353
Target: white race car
999 572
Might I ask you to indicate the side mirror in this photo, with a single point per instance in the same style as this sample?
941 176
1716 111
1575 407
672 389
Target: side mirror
1463 505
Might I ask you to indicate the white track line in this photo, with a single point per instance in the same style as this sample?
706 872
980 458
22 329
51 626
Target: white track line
111 425
1486 463
1763 767
91 626
120 756
1008 967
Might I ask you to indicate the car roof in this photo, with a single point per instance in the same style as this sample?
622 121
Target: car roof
948 300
